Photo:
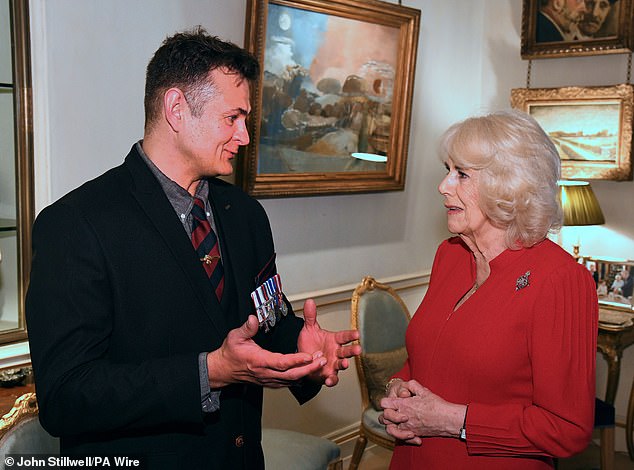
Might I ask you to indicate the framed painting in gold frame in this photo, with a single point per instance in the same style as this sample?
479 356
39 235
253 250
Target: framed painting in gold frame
612 289
336 81
590 126
559 28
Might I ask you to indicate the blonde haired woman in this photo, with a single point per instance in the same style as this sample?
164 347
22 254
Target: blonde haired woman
501 352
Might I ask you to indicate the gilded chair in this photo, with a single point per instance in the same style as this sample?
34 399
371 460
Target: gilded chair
21 432
381 317
290 450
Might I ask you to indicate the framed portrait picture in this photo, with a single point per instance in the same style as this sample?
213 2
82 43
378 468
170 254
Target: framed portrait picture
590 126
563 28
331 111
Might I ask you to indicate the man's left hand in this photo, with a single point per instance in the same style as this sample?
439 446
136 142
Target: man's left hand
333 345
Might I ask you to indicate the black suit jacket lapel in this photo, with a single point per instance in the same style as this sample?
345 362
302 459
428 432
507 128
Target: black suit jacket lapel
228 224
153 201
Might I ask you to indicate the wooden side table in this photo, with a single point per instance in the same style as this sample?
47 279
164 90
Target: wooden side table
611 342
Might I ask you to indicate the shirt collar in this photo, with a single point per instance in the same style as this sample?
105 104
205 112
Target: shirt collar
178 196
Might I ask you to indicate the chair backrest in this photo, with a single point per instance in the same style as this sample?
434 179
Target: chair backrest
381 317
21 431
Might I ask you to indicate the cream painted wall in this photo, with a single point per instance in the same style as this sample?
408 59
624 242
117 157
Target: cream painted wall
91 56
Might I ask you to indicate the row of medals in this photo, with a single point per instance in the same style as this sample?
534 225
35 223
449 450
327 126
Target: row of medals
269 302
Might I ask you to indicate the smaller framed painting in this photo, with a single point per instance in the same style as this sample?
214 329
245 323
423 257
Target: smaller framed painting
613 278
564 28
590 126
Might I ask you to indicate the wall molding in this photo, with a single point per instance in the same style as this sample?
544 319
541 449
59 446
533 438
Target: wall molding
343 294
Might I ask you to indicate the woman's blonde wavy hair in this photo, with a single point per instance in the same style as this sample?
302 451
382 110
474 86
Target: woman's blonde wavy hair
519 169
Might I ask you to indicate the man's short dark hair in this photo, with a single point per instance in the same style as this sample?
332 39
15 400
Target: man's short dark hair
185 61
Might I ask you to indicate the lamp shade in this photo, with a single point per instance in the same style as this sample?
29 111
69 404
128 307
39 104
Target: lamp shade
579 203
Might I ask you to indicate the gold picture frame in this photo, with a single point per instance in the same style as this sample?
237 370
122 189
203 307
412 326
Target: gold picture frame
607 274
549 31
337 78
590 126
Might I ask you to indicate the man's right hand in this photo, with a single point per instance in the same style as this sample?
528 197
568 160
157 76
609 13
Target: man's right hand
240 359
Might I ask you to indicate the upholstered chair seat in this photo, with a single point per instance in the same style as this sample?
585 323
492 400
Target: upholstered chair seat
290 450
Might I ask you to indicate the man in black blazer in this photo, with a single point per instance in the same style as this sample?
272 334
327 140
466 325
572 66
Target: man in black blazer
134 350
558 20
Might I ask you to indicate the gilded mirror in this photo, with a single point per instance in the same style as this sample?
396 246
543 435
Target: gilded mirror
16 167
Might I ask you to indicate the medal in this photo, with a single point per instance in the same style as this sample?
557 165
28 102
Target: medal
258 300
268 300
271 288
280 295
268 305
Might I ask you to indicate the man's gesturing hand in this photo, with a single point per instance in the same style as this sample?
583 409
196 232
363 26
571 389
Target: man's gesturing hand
240 359
333 346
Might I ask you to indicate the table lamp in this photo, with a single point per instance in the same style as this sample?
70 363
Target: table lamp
580 206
